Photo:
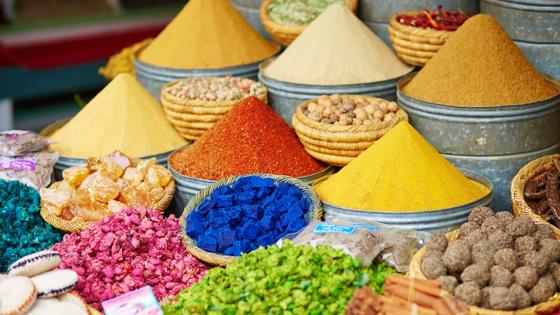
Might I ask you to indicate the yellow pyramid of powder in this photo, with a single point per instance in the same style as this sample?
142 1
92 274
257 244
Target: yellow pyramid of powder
401 172
124 117
207 34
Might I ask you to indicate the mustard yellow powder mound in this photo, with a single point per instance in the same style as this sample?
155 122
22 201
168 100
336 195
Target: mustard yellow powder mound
124 117
401 172
207 34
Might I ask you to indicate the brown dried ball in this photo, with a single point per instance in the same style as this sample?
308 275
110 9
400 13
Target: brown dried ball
505 217
500 277
521 226
476 273
501 299
544 231
433 267
469 293
501 239
448 283
466 229
525 244
526 277
475 237
554 270
521 296
538 261
485 298
550 248
506 258
483 253
437 242
457 256
543 290
490 225
480 214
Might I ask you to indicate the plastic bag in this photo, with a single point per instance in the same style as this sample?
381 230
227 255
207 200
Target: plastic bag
358 242
18 142
33 169
398 246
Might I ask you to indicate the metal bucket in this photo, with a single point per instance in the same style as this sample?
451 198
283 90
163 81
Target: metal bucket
376 14
188 186
440 221
284 97
492 141
534 25
153 78
67 162
250 10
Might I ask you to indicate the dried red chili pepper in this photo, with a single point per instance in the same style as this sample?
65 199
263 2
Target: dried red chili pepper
552 195
438 19
531 188
251 138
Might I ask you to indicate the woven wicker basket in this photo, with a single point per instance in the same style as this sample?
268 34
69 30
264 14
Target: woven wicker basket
520 207
284 34
93 311
338 145
222 260
192 118
78 226
414 45
414 271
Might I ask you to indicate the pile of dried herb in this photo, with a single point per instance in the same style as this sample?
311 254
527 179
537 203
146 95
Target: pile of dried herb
542 194
290 279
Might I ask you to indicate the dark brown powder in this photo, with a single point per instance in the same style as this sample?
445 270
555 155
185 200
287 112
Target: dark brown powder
480 66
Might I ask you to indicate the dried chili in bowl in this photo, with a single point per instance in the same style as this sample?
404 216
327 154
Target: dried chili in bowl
438 19
542 194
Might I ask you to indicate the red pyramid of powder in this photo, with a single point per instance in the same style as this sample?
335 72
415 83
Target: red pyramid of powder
251 138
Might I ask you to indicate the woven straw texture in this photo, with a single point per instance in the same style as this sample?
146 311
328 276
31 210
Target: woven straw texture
414 45
520 207
222 260
191 118
414 271
285 34
93 311
78 226
338 145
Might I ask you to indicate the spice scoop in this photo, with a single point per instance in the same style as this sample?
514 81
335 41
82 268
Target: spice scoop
34 264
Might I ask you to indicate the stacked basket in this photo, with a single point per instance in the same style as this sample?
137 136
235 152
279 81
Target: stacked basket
286 34
194 116
337 144
414 45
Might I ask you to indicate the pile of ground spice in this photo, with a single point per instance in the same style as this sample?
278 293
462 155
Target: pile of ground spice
207 34
401 172
336 48
251 138
123 117
480 66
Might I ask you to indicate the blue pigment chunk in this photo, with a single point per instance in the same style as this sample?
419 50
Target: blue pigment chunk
207 243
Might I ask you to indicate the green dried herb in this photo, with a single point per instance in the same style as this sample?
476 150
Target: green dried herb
292 279
297 12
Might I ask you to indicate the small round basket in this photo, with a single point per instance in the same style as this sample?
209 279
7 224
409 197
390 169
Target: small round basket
520 206
415 271
413 45
191 118
285 34
79 225
335 144
315 213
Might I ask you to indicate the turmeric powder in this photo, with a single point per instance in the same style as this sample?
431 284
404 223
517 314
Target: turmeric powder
401 172
207 34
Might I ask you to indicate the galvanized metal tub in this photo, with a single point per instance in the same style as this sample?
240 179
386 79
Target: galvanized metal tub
439 221
153 78
67 162
376 14
492 141
250 11
534 25
188 186
284 97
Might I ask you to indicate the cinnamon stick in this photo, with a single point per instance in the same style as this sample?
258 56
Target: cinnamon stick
413 296
427 286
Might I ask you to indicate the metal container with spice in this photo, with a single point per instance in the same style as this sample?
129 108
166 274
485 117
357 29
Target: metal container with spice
439 221
376 14
495 141
535 28
250 11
